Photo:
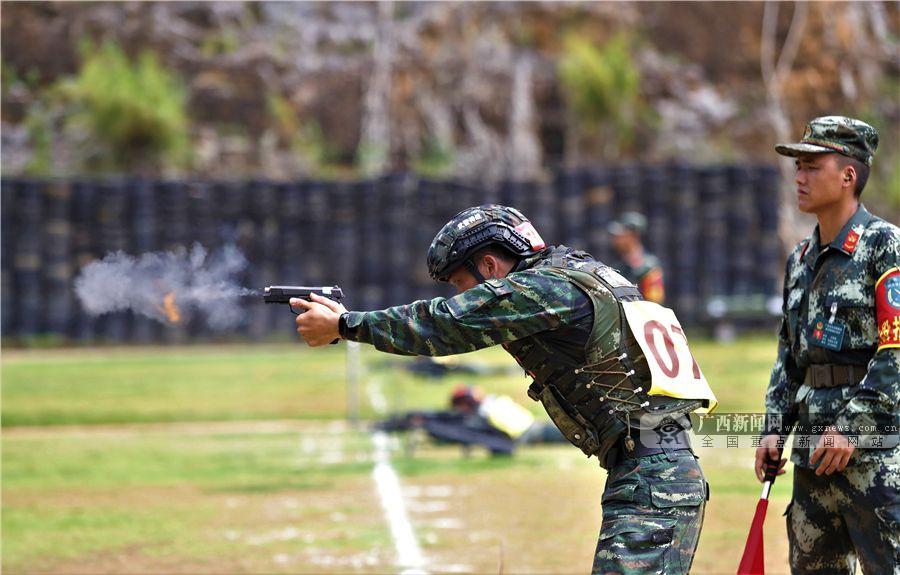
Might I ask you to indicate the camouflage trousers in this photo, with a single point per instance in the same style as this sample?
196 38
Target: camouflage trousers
835 520
652 514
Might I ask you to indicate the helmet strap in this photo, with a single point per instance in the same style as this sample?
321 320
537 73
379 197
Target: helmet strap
520 265
473 269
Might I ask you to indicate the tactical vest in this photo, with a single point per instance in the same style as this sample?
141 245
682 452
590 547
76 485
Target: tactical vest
593 404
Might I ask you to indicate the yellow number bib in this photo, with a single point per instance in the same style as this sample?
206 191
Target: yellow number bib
674 371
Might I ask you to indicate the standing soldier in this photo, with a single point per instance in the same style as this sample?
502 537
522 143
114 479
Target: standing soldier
592 347
838 368
636 264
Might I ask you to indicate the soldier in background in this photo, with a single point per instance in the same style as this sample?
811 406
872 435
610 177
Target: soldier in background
562 315
838 367
636 264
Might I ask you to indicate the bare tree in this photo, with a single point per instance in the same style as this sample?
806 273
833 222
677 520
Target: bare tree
524 145
775 70
375 141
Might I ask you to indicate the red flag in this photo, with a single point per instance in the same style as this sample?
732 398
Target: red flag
753 561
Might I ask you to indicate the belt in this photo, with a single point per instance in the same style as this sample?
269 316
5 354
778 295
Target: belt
833 375
679 441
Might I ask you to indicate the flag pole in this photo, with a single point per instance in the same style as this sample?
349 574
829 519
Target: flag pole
753 560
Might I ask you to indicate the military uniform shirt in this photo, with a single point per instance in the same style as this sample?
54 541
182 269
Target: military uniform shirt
647 276
494 312
835 284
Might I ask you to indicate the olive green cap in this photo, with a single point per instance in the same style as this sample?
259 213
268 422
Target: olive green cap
628 222
847 136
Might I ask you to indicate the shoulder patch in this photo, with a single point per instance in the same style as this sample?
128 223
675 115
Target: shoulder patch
887 309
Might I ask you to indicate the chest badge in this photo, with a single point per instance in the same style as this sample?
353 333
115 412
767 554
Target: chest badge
829 335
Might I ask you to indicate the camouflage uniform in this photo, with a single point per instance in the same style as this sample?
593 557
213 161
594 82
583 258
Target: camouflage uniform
830 333
653 505
647 273
648 503
647 276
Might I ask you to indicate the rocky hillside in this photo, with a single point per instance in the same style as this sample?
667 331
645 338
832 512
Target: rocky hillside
473 89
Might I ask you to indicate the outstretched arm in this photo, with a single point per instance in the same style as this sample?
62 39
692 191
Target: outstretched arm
491 313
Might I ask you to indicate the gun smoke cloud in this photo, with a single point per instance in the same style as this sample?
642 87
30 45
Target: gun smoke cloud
169 287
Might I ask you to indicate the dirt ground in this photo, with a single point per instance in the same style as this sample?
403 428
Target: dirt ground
547 521
537 513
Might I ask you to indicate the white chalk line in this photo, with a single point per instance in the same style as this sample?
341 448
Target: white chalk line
409 554
376 395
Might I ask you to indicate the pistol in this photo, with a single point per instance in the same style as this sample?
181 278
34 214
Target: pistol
283 294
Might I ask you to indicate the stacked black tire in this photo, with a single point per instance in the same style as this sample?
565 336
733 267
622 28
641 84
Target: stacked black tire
714 228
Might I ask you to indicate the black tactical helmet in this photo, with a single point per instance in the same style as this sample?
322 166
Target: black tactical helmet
476 228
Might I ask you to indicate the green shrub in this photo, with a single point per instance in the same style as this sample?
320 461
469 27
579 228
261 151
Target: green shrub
312 148
371 158
40 132
134 112
8 78
435 161
217 44
602 86
305 139
283 116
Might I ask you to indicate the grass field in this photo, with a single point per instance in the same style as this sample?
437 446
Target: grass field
239 459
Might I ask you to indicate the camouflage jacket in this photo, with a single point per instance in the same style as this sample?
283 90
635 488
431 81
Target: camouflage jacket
497 311
835 284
